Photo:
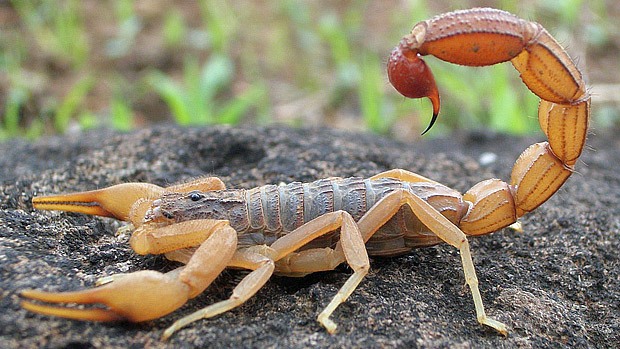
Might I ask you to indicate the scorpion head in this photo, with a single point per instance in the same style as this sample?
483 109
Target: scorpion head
179 207
165 209
156 214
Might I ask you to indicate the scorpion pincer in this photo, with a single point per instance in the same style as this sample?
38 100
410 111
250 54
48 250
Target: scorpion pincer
298 228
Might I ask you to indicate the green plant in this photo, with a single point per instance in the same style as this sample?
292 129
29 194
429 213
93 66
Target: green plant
129 26
15 100
121 115
195 102
57 27
69 106
174 29
220 23
371 96
491 97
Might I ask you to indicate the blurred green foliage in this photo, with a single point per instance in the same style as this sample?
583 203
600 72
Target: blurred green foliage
123 64
195 102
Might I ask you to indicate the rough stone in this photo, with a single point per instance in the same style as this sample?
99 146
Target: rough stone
557 284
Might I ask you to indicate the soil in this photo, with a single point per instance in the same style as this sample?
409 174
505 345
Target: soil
557 284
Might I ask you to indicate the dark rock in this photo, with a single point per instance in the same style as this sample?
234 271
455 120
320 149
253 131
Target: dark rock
555 285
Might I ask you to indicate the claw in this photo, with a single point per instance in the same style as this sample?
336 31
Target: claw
135 297
115 201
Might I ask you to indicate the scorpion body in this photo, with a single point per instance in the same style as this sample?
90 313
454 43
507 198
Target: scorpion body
264 214
296 229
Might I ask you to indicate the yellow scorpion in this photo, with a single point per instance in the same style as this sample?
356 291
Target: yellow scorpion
301 228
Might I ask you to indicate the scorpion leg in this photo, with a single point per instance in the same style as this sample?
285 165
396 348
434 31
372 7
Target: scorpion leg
383 210
403 175
261 260
202 184
147 295
262 267
326 259
350 248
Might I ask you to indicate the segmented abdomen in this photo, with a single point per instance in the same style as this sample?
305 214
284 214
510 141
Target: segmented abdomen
274 210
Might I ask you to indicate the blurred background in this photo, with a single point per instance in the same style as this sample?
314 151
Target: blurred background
70 65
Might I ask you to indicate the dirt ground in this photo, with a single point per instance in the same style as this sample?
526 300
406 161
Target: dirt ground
555 285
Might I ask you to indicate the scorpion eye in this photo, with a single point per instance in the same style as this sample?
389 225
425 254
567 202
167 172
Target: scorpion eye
195 196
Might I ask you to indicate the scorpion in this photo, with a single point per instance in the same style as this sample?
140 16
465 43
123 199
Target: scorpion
300 228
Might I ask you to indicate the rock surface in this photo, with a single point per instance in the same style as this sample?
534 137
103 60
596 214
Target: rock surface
557 284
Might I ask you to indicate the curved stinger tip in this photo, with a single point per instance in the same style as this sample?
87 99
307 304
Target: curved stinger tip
430 125
433 95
